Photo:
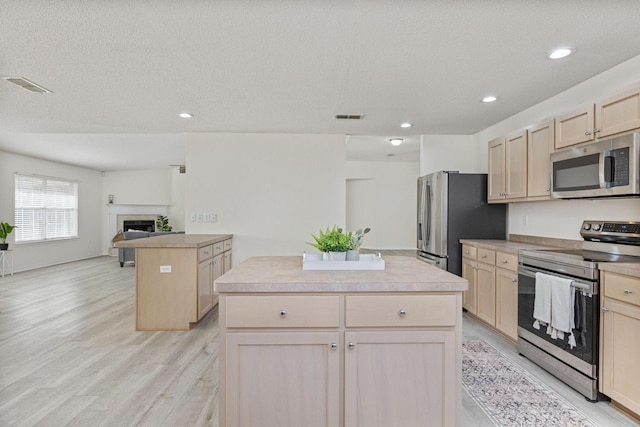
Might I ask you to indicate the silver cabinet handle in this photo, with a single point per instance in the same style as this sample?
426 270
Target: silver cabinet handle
514 280
505 261
628 291
587 133
605 309
402 312
596 130
283 313
334 346
351 345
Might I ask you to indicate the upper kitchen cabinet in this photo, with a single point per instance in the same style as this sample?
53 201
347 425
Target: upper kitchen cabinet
508 167
618 113
609 115
575 127
496 178
539 145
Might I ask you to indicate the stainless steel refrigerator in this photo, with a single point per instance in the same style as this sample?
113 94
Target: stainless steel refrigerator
453 206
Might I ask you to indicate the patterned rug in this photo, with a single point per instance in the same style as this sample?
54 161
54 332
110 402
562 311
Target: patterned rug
509 395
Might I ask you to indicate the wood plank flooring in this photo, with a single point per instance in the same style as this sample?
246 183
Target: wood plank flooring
69 356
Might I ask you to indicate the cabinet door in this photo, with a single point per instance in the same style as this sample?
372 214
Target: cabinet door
205 291
620 376
618 113
226 264
283 379
575 127
400 378
486 290
540 145
496 178
507 303
516 165
469 296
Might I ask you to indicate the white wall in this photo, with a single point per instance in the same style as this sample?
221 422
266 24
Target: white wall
90 202
271 191
562 218
451 152
139 187
382 196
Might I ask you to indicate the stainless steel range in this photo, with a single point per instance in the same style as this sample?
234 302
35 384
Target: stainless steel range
572 358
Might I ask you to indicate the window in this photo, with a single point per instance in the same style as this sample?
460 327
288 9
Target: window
46 208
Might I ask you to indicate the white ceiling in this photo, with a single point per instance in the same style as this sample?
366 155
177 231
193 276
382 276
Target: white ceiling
121 71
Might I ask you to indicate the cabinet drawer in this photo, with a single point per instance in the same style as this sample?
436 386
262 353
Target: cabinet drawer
218 248
469 251
226 245
205 252
507 261
622 288
283 311
401 310
487 256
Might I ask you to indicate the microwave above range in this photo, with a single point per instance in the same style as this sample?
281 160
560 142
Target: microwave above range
608 168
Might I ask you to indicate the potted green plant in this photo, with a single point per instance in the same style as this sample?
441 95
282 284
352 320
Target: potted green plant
5 230
162 223
332 241
355 241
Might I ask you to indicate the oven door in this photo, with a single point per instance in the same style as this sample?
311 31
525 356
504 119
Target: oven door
584 356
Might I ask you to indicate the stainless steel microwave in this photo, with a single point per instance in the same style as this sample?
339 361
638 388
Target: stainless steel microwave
608 168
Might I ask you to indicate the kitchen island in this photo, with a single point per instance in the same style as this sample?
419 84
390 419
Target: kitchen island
340 348
174 278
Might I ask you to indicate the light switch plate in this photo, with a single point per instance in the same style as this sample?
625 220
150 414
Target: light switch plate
165 269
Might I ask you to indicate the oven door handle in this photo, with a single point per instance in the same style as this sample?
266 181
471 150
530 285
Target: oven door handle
529 272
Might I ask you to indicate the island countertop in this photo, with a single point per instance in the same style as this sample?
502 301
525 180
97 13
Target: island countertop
174 241
285 274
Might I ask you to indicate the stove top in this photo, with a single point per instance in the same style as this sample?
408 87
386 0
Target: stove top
591 256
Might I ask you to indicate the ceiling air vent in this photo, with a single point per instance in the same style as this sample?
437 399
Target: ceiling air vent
26 84
349 116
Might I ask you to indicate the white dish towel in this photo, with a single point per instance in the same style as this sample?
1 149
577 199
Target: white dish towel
553 306
542 301
562 314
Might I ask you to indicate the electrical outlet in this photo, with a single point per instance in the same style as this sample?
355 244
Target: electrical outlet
214 217
194 218
207 217
200 217
165 269
525 219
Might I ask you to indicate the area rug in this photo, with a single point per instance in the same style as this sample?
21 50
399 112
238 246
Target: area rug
509 395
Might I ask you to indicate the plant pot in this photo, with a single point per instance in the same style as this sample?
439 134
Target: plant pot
4 246
353 255
337 256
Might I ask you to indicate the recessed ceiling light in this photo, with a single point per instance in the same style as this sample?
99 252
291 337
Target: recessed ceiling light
487 99
560 53
396 141
186 115
405 125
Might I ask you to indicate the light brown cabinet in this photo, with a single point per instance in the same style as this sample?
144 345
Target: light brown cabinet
507 294
493 288
347 358
609 115
507 178
174 279
540 144
620 346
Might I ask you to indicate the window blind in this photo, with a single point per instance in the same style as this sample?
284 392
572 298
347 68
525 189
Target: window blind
45 208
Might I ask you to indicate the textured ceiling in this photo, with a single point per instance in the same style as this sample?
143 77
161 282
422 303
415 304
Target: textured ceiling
127 68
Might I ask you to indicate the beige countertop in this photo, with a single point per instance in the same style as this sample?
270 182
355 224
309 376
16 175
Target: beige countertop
285 274
508 246
174 241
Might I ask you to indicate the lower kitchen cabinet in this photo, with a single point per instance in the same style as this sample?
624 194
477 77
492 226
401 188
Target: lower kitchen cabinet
469 272
283 379
507 303
388 383
486 293
337 360
620 346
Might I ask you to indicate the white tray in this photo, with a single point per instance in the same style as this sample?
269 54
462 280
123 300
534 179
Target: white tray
366 262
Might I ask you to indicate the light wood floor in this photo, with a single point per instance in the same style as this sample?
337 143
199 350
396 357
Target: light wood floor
69 356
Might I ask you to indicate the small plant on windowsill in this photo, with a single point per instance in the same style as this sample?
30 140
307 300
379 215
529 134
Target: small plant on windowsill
162 223
5 230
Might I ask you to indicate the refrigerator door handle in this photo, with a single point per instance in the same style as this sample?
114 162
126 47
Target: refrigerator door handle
428 207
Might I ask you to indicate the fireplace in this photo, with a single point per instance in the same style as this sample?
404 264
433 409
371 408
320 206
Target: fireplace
139 225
